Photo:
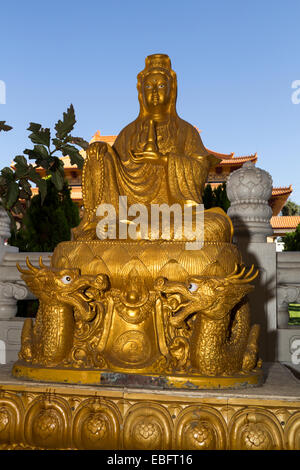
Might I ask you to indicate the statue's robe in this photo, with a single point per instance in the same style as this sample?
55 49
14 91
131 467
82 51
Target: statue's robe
182 178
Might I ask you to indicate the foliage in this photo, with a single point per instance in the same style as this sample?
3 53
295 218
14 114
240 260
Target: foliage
49 222
292 240
216 197
15 183
291 208
4 127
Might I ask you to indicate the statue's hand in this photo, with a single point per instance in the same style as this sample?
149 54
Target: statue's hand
141 157
97 149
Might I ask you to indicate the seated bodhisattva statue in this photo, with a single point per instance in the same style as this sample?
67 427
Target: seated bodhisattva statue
148 306
158 158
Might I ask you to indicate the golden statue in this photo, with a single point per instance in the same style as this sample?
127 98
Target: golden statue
148 309
158 158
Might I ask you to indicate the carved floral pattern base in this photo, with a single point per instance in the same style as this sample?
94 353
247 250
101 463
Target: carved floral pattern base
61 418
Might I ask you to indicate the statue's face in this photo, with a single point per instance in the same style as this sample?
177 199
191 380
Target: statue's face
156 92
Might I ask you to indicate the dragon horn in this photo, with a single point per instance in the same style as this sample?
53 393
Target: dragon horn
236 267
246 279
236 276
41 263
23 271
250 271
30 266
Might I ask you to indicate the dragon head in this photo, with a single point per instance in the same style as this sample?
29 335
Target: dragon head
65 286
213 297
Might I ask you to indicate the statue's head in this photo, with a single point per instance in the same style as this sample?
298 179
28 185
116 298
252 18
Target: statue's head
157 86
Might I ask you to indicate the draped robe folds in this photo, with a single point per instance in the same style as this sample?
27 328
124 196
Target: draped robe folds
182 178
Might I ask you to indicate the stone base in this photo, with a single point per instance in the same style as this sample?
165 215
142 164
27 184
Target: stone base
37 415
10 339
23 370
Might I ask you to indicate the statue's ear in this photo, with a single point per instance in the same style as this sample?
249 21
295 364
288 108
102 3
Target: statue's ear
213 160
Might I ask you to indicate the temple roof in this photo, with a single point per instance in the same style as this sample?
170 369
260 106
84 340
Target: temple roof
277 200
236 160
285 222
76 193
227 158
103 138
279 197
221 155
282 190
230 159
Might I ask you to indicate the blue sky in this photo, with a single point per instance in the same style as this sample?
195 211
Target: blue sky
235 62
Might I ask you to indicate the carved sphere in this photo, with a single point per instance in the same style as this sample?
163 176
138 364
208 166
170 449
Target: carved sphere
199 435
255 437
250 184
46 424
146 433
249 190
132 296
95 427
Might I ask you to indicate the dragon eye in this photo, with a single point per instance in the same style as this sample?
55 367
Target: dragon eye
66 279
193 287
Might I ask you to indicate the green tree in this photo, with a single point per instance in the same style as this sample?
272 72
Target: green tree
4 127
15 183
216 197
292 240
208 197
290 208
49 222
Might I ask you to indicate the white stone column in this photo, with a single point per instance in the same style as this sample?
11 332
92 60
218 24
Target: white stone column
249 190
12 289
10 293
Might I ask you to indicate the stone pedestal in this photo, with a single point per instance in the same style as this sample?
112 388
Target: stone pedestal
249 190
263 298
59 416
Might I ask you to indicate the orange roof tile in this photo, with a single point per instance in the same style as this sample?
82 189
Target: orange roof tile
282 190
103 138
221 155
237 160
285 221
76 192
